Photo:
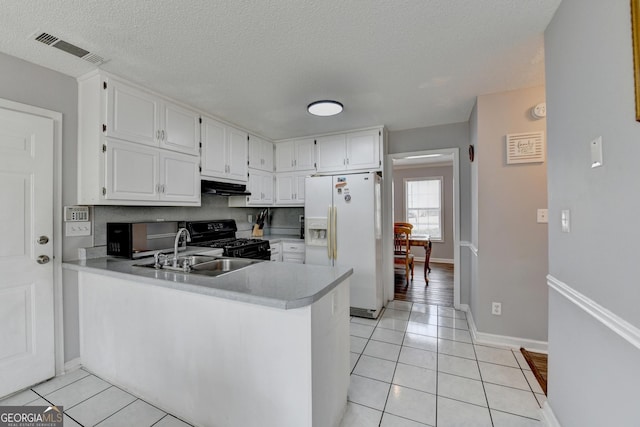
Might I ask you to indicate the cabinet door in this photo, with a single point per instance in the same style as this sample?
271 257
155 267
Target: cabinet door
285 155
131 172
305 155
132 114
214 148
363 150
267 156
180 178
284 189
267 188
299 187
237 158
260 154
181 129
331 154
255 187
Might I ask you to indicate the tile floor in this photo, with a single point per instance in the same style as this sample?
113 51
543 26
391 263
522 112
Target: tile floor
90 401
417 366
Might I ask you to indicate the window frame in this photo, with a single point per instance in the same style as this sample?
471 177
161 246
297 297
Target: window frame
441 216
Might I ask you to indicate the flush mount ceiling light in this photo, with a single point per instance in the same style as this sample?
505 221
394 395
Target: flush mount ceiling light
325 108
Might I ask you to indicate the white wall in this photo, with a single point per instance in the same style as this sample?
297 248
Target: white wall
512 246
593 372
440 249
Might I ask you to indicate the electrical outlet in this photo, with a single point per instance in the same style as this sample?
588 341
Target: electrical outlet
565 220
543 216
250 218
496 308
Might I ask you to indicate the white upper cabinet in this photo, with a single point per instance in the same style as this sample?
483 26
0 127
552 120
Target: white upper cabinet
143 174
297 155
132 114
137 116
290 188
224 151
135 147
260 154
261 188
181 130
347 152
331 153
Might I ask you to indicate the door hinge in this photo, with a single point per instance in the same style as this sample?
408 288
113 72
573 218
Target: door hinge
200 119
104 148
247 162
315 165
379 162
104 191
379 133
104 85
104 128
199 168
200 144
315 142
247 137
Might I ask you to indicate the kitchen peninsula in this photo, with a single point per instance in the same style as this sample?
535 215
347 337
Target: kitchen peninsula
264 345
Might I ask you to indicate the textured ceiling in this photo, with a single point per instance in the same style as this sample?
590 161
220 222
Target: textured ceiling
258 63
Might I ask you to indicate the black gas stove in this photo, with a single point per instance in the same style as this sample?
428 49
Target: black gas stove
221 233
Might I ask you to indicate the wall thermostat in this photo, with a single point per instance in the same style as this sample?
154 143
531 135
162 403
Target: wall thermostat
76 213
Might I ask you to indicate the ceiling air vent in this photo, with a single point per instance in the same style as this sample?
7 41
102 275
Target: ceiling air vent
74 50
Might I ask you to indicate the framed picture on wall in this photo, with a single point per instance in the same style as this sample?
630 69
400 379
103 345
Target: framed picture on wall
635 32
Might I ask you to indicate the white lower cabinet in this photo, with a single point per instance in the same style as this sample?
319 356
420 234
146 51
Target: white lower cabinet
293 252
276 251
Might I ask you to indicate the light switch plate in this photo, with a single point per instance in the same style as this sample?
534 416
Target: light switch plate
565 220
596 152
543 216
82 228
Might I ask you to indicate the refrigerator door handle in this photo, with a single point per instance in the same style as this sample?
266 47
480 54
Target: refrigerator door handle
328 236
334 230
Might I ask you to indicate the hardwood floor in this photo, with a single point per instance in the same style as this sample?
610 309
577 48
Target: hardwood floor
438 292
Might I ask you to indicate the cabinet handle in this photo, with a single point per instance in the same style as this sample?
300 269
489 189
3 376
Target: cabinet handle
347 161
291 163
164 188
344 161
295 162
163 135
158 135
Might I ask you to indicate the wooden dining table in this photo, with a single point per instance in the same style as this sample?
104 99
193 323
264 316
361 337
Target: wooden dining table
425 242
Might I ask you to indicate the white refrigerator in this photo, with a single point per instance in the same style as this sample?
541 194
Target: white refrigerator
343 227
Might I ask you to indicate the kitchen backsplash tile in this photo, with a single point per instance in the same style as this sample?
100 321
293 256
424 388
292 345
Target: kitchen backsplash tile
280 221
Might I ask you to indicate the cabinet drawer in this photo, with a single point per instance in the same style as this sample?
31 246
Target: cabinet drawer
293 247
295 258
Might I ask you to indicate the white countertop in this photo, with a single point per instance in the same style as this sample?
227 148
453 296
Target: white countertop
274 284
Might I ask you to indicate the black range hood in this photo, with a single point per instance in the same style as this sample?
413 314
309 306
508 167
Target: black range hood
223 188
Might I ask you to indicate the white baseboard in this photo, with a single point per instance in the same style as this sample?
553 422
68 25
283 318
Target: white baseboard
441 260
548 417
501 340
72 365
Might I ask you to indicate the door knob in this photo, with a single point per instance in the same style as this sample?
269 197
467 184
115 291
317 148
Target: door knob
43 240
43 259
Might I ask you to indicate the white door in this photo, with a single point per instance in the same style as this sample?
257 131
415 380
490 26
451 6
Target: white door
26 286
284 156
305 155
284 188
300 188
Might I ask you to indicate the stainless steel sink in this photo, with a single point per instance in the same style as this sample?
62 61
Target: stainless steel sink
204 264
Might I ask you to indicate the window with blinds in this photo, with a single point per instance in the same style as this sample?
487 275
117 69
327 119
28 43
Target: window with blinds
423 205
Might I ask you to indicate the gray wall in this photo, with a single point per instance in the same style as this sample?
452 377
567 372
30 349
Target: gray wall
512 246
593 372
443 249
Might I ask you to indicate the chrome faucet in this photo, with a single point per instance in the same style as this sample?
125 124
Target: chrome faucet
175 244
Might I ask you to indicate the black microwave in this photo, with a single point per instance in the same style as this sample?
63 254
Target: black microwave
139 239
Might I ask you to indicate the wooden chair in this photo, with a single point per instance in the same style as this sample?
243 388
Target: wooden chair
402 250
